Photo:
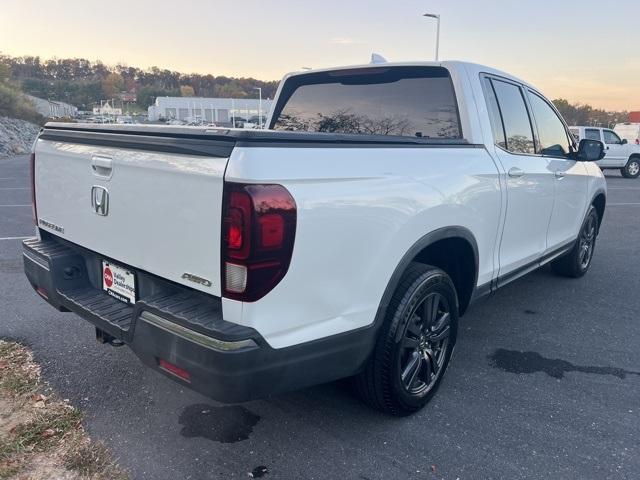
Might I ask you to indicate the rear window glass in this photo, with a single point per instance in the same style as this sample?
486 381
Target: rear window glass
405 101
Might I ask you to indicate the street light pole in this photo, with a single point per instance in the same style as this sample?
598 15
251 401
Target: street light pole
259 105
437 17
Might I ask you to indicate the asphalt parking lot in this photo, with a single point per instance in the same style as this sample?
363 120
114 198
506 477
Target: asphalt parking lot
544 383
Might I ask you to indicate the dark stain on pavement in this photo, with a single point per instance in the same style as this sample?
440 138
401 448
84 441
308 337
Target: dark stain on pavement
259 472
513 361
225 424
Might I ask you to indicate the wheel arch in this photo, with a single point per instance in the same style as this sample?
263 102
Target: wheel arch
599 202
431 244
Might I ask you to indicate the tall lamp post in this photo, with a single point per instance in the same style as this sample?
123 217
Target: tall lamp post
259 105
437 17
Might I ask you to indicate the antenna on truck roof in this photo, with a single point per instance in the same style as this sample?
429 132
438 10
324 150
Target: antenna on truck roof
377 58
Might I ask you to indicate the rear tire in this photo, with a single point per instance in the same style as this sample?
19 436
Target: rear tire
414 345
632 168
577 262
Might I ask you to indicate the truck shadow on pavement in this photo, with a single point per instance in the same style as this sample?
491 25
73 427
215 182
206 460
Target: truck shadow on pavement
513 361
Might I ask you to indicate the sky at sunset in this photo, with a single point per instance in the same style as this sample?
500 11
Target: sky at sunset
584 50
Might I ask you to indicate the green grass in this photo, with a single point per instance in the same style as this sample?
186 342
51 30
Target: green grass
16 375
93 460
41 433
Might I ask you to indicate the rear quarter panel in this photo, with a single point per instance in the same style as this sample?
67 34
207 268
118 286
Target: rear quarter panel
359 211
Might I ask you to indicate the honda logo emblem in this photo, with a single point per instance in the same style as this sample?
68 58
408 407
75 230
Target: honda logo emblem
100 200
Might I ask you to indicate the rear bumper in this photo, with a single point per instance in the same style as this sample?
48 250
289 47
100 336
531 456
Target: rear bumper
228 362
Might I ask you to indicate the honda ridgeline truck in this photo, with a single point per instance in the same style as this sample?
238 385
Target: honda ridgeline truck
344 241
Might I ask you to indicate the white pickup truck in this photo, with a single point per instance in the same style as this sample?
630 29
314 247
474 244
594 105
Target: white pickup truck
344 241
619 153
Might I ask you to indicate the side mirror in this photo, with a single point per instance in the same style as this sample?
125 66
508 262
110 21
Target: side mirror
590 150
624 141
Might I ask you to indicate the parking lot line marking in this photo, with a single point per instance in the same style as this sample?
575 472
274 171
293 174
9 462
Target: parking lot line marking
14 238
620 204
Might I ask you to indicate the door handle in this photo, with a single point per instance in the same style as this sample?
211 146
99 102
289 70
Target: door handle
102 166
515 172
560 174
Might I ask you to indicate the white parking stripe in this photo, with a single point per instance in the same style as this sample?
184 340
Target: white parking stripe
14 238
620 204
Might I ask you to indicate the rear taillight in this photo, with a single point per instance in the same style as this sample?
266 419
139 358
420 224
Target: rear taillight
258 231
32 178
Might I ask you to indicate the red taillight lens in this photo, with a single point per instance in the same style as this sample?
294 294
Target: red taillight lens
259 226
32 178
238 224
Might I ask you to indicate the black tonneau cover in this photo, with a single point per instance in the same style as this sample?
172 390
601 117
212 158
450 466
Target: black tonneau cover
219 142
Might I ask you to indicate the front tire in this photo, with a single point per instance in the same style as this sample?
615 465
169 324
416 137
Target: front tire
577 262
632 168
414 345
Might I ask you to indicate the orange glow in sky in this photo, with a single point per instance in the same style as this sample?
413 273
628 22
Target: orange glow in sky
567 49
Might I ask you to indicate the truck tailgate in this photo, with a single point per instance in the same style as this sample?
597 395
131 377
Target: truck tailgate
158 211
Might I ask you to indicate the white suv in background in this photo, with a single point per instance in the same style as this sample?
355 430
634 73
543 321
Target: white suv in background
619 153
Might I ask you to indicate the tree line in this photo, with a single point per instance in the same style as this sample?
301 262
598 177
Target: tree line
84 83
583 115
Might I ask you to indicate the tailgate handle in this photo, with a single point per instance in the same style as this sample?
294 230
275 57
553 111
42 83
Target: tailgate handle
102 166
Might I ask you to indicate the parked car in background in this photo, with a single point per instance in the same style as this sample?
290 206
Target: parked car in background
345 240
629 131
620 154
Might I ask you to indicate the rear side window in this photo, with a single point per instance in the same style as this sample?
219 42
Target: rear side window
515 117
494 115
406 101
592 134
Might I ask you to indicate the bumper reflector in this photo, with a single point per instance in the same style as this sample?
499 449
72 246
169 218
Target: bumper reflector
174 370
42 292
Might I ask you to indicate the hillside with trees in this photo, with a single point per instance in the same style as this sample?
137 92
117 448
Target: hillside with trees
580 114
84 83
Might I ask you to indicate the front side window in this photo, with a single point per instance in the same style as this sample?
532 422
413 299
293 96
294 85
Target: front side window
515 117
406 101
592 133
575 132
611 138
552 134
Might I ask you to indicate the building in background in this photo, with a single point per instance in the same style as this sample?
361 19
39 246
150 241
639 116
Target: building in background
221 111
53 109
634 117
106 109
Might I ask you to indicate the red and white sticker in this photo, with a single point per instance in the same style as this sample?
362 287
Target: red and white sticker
119 282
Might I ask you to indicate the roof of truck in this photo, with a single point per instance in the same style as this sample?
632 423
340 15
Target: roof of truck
472 68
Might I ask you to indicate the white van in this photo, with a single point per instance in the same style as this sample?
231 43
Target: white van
629 131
